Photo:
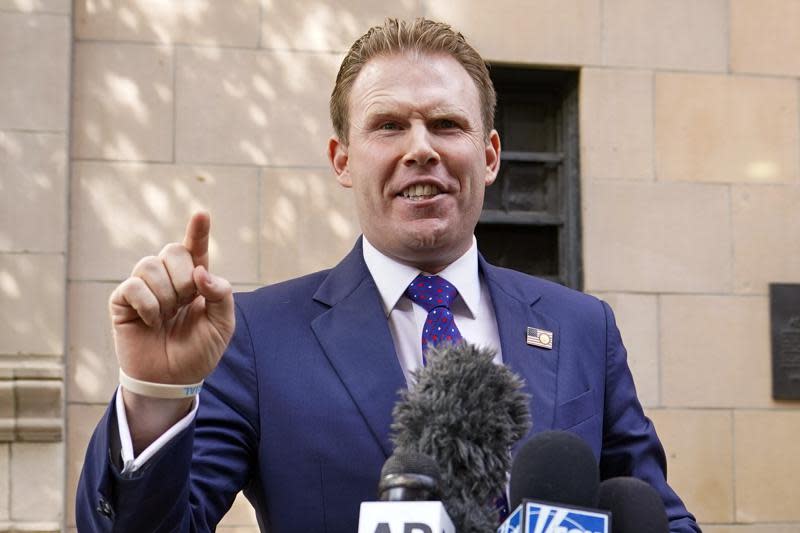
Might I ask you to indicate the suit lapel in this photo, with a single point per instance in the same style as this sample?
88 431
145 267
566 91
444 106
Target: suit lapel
514 302
355 337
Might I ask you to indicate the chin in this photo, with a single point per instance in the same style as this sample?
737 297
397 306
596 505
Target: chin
432 249
428 237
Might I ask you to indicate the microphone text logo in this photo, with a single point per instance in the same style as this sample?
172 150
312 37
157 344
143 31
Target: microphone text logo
534 517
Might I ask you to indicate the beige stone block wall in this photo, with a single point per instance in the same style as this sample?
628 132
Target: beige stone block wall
308 207
560 32
33 185
666 34
122 102
91 367
36 478
762 34
726 128
656 237
637 315
766 460
705 361
255 93
32 308
700 470
765 226
5 481
60 7
205 22
81 421
690 167
326 26
34 61
125 211
35 56
624 99
761 528
240 518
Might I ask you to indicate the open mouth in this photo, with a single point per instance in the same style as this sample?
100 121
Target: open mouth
420 192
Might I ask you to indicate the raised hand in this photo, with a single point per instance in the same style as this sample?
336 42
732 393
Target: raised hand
172 319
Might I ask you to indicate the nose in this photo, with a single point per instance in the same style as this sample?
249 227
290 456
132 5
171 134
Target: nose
420 151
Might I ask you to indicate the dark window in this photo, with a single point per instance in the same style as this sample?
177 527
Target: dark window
531 215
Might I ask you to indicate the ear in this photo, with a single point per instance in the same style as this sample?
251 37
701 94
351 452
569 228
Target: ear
492 157
337 155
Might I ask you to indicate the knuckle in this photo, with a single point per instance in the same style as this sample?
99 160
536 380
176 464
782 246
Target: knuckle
173 250
136 289
129 287
147 266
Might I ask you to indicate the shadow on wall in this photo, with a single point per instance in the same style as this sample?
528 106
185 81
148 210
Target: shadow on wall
32 275
31 317
187 113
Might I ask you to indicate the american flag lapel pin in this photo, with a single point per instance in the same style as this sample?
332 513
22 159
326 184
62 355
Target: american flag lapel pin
540 337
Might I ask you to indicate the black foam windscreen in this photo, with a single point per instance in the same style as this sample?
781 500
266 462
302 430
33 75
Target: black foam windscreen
555 466
466 412
635 506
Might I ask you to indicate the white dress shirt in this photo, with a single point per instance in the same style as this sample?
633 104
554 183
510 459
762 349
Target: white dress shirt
472 311
472 308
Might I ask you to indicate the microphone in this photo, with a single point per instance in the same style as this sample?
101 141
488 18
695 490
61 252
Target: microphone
555 466
409 476
554 487
635 506
409 481
466 412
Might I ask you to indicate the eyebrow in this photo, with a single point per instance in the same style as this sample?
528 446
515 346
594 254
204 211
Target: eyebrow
379 111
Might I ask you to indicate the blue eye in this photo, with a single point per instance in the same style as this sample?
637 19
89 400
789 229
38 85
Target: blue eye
389 126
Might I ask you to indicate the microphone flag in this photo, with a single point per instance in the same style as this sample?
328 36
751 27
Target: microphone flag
540 517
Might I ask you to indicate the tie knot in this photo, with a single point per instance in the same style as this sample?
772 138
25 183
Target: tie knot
431 292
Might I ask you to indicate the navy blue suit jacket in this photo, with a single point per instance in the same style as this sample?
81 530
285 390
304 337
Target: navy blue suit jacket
297 414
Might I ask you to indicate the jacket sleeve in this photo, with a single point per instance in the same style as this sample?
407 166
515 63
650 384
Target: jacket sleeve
191 482
630 444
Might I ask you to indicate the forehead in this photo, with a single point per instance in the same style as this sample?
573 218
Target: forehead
416 79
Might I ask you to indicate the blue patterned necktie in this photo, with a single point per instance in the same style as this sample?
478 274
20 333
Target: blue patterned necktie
435 294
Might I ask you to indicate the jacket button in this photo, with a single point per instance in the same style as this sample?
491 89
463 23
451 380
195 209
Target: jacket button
104 508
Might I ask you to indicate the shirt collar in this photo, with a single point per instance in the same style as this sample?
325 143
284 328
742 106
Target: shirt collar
392 277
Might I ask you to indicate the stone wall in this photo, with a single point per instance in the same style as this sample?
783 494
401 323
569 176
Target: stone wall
35 53
690 164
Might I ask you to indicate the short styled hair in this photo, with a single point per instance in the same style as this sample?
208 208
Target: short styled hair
420 36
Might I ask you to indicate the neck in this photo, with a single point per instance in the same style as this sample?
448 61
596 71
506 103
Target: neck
428 260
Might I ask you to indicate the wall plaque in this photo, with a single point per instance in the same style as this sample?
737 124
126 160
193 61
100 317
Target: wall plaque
784 301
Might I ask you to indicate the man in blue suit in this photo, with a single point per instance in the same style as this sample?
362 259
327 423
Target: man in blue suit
297 411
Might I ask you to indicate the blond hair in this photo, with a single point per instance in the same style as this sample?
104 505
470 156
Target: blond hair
399 36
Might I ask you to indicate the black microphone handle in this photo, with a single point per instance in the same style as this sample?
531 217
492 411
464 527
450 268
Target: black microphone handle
408 488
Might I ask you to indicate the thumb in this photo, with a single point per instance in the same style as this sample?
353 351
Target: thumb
218 294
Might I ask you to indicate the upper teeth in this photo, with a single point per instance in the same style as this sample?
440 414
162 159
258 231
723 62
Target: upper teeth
421 190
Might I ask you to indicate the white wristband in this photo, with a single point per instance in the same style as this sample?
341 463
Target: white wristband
158 390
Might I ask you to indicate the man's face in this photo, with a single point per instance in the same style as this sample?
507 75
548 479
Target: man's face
417 159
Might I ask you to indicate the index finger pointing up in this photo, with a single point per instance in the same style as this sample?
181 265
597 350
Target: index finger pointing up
196 239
